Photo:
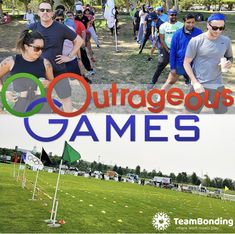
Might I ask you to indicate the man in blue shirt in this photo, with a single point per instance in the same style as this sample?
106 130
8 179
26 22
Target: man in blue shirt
179 45
148 23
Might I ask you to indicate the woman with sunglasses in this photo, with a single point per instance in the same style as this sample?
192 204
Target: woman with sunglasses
30 45
202 62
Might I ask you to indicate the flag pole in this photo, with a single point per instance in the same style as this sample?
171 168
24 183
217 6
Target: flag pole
18 175
35 184
54 224
36 180
14 172
55 194
115 36
24 179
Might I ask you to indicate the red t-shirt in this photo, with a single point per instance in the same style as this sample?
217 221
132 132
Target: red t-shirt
79 27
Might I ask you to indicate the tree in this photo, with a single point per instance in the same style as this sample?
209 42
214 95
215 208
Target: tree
179 178
186 4
120 170
218 182
184 177
228 183
137 170
172 176
194 178
1 12
94 166
115 168
159 173
26 3
207 181
144 173
100 167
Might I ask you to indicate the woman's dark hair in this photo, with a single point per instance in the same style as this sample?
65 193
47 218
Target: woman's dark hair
143 8
86 10
58 13
27 37
60 7
188 16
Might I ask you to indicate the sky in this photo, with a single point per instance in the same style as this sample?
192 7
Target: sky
212 154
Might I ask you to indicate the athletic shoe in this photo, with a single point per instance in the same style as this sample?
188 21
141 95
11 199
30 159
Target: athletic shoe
90 73
98 46
187 83
150 59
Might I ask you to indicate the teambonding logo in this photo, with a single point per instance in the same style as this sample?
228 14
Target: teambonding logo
161 221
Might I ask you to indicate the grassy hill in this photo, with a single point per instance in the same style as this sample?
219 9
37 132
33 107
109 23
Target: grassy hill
92 205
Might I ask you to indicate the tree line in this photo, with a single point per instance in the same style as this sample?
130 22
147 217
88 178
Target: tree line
182 4
181 177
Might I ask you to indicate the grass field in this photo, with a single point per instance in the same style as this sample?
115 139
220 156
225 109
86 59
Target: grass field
91 205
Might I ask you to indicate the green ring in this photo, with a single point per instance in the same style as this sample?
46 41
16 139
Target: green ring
4 89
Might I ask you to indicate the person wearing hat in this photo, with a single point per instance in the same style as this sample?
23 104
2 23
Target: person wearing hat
161 15
167 31
148 24
156 22
202 62
179 44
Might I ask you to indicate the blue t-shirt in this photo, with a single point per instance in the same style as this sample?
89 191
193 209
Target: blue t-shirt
149 19
54 37
163 17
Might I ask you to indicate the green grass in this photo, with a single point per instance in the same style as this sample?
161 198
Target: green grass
133 204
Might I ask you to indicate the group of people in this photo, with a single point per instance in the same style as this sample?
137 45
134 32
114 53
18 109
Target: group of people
58 43
190 52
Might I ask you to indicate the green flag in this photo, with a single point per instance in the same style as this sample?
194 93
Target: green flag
70 154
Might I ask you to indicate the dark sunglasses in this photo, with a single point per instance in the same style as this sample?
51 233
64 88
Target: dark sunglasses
215 28
173 14
36 48
61 20
45 10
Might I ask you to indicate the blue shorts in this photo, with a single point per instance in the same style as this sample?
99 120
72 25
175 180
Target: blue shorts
180 71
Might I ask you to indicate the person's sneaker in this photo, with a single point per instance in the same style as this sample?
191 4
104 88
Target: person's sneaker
135 38
150 86
91 72
98 46
187 83
150 59
87 80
